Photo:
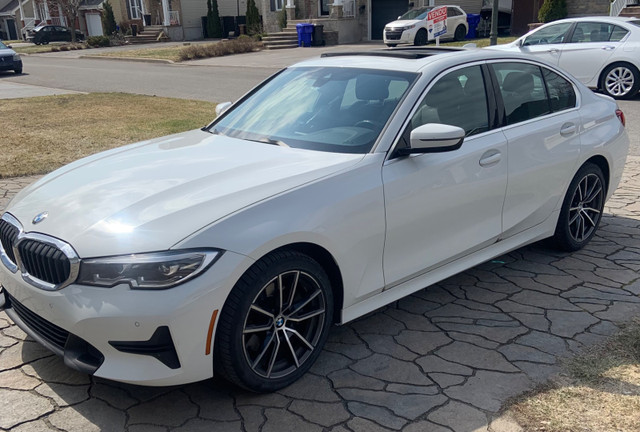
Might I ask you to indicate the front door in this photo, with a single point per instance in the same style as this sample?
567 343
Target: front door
11 24
441 206
547 42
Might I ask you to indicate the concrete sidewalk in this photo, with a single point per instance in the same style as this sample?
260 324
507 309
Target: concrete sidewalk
11 90
444 359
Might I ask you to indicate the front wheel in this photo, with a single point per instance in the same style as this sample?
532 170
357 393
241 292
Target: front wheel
581 209
460 33
274 322
421 38
620 81
17 71
392 45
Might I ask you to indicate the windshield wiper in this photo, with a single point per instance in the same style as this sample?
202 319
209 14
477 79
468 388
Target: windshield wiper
271 141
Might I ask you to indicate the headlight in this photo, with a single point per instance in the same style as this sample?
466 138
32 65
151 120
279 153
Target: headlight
409 27
16 57
158 270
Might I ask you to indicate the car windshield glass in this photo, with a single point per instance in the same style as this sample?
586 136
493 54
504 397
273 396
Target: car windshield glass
339 110
417 14
2 46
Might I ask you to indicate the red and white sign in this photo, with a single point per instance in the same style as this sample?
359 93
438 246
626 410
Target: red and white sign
437 22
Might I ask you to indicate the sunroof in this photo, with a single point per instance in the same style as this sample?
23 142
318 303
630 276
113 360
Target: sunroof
404 52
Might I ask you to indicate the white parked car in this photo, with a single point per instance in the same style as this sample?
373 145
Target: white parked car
411 28
602 52
337 186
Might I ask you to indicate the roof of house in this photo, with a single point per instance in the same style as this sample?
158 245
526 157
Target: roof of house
8 5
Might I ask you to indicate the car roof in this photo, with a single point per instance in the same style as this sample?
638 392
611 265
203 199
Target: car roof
411 59
602 18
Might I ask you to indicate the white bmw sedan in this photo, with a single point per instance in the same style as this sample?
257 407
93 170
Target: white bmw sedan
602 52
335 187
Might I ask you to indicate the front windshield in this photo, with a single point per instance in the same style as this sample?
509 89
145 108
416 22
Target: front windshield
2 46
417 14
339 110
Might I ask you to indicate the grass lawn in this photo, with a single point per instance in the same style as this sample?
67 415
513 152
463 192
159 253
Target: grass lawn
9 42
41 134
598 391
35 49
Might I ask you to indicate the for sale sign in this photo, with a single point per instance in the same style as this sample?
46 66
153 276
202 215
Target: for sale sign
437 22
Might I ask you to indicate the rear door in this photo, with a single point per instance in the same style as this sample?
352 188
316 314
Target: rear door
590 47
542 126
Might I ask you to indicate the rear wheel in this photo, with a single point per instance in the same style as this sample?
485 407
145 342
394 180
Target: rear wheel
44 41
581 209
460 33
274 323
421 38
18 71
620 81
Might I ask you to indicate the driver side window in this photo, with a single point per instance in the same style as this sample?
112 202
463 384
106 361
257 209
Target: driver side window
458 99
549 35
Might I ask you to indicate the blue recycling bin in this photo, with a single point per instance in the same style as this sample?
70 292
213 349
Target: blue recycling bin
305 31
473 20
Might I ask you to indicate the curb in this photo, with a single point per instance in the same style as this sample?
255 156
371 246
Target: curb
133 59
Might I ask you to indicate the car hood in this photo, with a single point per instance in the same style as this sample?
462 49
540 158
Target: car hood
149 196
403 23
6 52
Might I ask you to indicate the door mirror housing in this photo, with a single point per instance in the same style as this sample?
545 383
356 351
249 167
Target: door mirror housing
434 138
222 107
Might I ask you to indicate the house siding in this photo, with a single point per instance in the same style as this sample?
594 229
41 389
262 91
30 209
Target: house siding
469 6
192 13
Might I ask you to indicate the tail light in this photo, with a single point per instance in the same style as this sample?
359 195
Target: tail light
621 117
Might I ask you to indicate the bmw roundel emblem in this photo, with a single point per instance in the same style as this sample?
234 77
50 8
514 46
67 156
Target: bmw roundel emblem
40 217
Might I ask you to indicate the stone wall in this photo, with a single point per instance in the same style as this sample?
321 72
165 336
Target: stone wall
587 7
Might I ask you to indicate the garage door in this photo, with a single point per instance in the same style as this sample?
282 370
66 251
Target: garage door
384 11
94 25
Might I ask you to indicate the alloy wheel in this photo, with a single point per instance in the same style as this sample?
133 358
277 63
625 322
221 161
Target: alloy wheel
284 324
619 81
586 207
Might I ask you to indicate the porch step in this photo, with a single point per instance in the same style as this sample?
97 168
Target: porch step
630 11
284 39
149 34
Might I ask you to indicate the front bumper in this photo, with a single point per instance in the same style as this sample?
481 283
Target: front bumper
399 36
127 335
10 64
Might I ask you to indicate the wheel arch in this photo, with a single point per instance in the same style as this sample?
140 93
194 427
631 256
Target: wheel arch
614 63
329 264
602 163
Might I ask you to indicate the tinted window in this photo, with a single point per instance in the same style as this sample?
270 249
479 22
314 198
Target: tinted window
597 32
553 34
459 99
452 12
523 91
561 94
327 109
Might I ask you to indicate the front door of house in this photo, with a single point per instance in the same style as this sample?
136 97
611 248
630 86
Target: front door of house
134 9
11 24
324 7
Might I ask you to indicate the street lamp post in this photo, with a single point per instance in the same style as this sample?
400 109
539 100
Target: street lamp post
493 36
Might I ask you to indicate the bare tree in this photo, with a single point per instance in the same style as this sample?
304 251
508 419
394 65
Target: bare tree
70 9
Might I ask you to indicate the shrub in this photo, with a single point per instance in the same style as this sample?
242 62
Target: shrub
552 10
108 19
98 41
254 26
214 28
235 46
282 18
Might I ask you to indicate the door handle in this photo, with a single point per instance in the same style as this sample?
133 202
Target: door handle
553 50
608 48
490 157
568 129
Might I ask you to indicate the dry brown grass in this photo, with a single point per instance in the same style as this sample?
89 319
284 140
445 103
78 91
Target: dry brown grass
599 391
41 134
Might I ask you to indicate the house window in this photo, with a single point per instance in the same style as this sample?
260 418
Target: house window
134 8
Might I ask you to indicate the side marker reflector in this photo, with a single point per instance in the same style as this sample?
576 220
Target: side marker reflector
212 324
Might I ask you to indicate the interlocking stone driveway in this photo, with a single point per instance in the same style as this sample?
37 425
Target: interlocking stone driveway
444 359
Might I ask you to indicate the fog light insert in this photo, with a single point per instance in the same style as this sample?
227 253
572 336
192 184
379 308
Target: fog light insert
160 346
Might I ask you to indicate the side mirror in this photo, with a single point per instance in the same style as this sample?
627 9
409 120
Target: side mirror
434 138
520 42
222 107
9 46
399 16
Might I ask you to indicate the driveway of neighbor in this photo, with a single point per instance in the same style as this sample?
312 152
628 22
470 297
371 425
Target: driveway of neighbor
443 359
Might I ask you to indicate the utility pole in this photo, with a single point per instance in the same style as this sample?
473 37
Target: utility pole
493 36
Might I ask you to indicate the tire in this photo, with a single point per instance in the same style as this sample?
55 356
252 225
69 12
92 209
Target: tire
460 33
620 81
18 71
259 344
44 41
581 209
421 38
392 45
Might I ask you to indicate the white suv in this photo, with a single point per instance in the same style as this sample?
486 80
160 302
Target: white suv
411 27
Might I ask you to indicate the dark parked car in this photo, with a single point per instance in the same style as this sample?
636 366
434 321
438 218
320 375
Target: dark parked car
9 60
52 33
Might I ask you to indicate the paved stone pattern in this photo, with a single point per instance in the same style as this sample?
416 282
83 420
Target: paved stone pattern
444 359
